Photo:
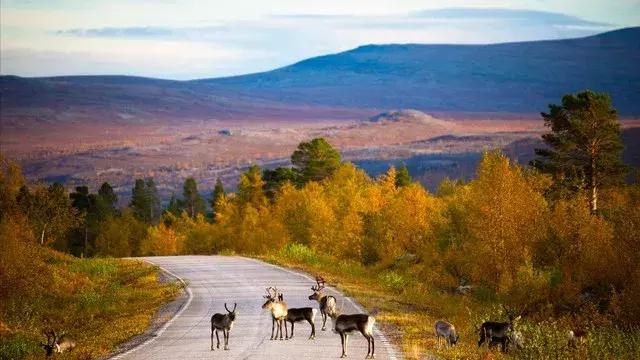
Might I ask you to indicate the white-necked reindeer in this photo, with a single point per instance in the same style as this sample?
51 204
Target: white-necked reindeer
57 343
223 322
275 303
446 330
327 302
345 324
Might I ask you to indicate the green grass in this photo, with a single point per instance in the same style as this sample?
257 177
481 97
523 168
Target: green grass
100 302
407 309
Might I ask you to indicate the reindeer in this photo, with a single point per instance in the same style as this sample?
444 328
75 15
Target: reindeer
275 303
345 324
223 322
300 314
446 330
57 343
494 333
327 302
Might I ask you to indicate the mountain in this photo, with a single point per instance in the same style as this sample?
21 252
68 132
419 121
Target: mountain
512 77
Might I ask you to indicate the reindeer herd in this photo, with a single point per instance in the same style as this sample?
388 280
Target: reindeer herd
282 314
492 333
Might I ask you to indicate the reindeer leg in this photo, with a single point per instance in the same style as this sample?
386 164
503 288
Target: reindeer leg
226 339
344 354
292 324
217 339
212 338
273 324
324 321
313 330
373 347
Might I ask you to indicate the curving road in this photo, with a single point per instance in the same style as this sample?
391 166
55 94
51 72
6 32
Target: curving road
214 280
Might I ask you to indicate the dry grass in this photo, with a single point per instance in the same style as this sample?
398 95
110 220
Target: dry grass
100 302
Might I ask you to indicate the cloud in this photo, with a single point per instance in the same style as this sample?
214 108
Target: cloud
517 15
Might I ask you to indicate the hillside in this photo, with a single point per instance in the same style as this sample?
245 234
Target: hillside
512 77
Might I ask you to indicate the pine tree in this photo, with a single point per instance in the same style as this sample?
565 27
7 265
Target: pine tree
155 205
584 145
145 201
316 159
217 194
193 202
403 178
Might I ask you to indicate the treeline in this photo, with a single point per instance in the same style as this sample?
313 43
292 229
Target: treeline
560 237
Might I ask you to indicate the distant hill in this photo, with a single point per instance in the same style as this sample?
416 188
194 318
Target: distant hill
512 77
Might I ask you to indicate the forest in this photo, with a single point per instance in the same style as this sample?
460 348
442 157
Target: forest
557 242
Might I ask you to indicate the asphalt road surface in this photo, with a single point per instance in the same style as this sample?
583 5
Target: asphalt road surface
214 280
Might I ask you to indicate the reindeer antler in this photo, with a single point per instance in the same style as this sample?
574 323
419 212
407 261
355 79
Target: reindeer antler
320 283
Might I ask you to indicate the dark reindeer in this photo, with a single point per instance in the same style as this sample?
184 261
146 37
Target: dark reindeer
57 343
494 333
223 322
275 303
301 314
345 324
327 302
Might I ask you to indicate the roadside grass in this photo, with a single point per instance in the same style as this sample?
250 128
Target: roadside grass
100 302
406 310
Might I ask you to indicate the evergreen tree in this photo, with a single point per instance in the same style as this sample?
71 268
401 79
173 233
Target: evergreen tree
155 206
315 159
145 201
403 178
274 179
107 199
217 194
193 202
175 205
584 146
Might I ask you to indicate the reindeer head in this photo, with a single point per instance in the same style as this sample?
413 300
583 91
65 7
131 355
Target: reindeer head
317 289
511 315
232 313
272 297
50 347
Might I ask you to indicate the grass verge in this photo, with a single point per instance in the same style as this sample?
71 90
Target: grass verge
100 302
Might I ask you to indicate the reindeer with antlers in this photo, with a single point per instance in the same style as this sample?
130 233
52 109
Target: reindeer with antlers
275 303
223 322
502 333
327 302
57 343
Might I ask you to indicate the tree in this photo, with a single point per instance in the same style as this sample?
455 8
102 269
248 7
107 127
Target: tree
145 201
107 199
274 179
193 202
49 211
250 188
217 194
584 146
84 203
403 178
316 159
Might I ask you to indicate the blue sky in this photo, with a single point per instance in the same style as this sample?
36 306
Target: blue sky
197 39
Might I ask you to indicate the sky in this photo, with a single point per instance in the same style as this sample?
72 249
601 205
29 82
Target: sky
200 39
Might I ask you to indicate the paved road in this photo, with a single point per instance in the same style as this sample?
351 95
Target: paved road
214 280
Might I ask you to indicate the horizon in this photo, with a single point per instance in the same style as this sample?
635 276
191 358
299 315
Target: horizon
180 41
315 56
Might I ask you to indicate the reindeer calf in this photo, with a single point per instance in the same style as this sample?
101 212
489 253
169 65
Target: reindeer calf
345 324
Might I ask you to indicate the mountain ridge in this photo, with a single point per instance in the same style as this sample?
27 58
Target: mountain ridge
514 77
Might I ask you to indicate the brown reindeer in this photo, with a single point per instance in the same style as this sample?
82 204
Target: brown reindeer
275 303
327 302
